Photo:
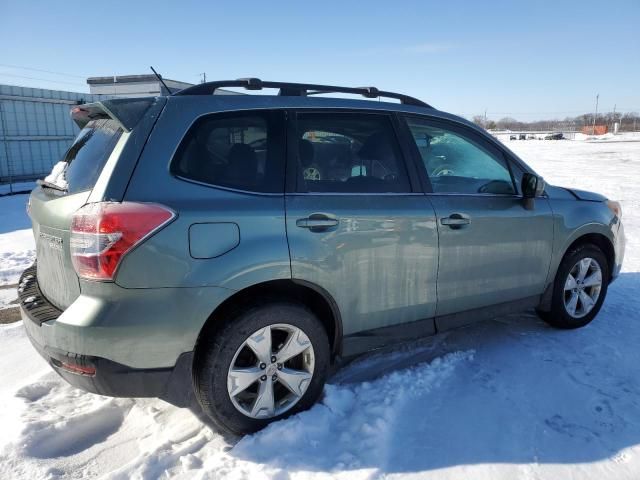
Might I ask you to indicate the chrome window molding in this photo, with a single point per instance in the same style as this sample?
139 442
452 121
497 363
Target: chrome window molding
228 189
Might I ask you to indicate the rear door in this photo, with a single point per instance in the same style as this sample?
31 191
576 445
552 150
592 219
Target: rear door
356 226
62 193
492 249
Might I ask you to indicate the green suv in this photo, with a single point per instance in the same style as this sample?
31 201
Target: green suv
230 248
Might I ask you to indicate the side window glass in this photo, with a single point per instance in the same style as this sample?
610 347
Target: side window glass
239 150
348 153
458 164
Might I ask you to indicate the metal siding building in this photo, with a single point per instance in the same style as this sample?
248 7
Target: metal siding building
35 126
35 129
140 86
134 85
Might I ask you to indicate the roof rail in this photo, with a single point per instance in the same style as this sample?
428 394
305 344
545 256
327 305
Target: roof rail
297 90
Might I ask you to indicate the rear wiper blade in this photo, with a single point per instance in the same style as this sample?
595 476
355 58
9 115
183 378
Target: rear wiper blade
45 184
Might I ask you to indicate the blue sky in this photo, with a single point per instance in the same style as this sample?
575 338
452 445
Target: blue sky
528 60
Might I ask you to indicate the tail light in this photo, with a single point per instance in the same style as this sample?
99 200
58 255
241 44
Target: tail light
103 233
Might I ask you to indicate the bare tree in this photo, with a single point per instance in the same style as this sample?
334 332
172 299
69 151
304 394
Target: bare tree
629 121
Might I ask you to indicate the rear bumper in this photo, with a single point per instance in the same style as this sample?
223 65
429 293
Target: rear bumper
119 342
114 379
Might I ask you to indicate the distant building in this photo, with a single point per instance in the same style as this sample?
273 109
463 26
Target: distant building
138 86
133 85
595 130
35 129
35 126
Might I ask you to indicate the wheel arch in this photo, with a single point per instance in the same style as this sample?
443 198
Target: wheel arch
598 239
314 297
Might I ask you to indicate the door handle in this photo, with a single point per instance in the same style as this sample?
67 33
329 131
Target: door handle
456 220
317 222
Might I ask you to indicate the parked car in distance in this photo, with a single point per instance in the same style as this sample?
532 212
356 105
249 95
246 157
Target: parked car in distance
229 249
554 136
522 136
512 137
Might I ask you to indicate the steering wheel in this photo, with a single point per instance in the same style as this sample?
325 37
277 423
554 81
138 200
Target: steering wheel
311 173
442 171
390 177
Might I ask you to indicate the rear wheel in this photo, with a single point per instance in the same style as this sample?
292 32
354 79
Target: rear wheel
579 288
264 364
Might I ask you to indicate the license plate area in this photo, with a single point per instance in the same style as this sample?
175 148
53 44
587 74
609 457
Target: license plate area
56 277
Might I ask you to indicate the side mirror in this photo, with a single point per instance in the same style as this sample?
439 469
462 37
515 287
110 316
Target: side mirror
532 186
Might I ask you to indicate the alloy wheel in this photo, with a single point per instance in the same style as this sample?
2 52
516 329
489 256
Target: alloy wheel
271 371
582 287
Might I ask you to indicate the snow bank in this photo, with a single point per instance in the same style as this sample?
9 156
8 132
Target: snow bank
56 430
609 137
17 246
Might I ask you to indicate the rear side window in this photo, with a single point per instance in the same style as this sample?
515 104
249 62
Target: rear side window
81 166
348 153
242 151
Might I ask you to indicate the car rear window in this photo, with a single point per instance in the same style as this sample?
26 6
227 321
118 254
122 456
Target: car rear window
242 151
81 166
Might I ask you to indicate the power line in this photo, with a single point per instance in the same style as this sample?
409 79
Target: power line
43 71
2 74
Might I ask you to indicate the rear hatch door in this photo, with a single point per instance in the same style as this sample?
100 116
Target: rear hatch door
58 197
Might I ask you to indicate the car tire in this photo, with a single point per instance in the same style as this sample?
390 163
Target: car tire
220 389
569 299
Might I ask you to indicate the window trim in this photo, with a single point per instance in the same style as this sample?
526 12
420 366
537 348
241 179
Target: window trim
494 147
265 113
292 170
226 189
414 153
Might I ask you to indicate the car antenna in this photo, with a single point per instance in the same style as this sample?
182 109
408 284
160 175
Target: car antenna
159 77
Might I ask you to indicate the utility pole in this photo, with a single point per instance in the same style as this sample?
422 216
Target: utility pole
593 129
204 77
485 118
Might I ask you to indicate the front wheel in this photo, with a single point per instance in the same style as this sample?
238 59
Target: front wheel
579 289
264 364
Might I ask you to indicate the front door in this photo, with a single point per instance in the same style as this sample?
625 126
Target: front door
492 249
355 226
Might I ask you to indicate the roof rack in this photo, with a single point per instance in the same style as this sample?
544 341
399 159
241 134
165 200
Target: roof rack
298 90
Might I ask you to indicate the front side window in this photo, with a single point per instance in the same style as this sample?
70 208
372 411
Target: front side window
348 153
458 164
237 150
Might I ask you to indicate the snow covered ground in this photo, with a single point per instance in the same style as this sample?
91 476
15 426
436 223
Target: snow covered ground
17 248
508 399
504 136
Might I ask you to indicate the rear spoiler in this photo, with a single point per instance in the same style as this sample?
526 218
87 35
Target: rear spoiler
127 112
